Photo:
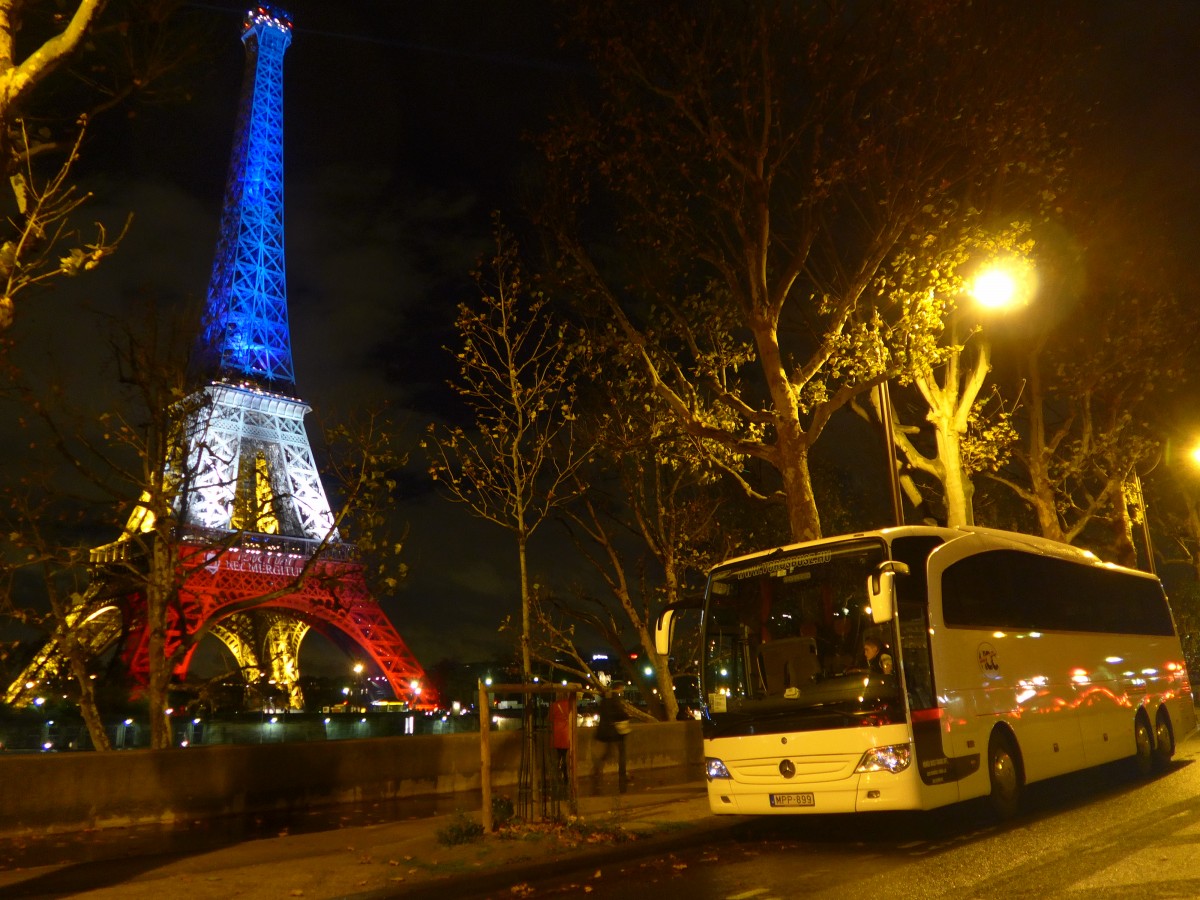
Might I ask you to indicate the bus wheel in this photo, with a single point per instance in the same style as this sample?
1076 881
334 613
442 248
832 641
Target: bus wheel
1143 756
1164 740
1005 775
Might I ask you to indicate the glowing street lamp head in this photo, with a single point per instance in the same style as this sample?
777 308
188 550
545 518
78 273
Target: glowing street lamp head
1003 284
1194 455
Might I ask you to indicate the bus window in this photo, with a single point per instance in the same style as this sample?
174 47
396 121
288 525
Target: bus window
787 636
913 613
1011 589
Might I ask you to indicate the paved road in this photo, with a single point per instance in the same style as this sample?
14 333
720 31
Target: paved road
1098 834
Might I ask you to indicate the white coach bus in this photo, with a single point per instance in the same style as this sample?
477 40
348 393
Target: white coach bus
914 667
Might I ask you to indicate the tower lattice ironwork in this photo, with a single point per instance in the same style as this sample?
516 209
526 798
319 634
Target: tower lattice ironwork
246 332
250 509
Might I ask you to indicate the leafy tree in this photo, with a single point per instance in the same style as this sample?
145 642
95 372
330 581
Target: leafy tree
515 373
1114 348
970 431
760 165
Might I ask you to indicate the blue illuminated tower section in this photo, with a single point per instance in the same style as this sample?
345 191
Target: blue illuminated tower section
246 334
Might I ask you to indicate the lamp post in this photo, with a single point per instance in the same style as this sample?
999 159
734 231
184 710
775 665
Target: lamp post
1139 500
889 441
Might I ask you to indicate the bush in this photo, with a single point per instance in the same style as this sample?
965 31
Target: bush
460 830
502 812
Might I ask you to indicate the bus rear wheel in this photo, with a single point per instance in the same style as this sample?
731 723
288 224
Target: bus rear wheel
1005 776
1164 740
1143 754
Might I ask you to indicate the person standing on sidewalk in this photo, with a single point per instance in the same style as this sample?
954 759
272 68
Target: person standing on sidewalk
560 734
614 725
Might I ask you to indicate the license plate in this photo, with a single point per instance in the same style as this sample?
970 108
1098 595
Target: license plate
793 800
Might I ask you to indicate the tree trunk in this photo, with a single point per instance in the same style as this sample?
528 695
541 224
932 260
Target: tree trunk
956 484
1124 548
1043 498
91 714
77 659
526 602
159 585
804 519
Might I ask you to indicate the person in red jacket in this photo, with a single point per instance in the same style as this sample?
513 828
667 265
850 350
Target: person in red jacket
560 733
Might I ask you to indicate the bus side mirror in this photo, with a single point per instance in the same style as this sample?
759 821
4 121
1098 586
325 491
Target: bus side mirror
881 590
664 628
882 593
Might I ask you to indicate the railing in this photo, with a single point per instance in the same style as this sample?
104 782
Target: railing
337 551
64 730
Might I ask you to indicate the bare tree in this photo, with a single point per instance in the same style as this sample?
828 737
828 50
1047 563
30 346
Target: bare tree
33 522
516 464
656 511
1092 378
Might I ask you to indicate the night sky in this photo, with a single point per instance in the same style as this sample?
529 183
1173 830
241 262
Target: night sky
404 128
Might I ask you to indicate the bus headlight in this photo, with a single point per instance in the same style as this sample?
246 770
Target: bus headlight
892 758
714 768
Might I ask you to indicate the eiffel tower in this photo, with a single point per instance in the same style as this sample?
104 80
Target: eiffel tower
251 508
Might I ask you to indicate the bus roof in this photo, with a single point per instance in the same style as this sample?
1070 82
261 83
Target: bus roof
1031 542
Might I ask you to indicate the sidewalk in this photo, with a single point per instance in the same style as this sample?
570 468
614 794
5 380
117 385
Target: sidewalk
396 859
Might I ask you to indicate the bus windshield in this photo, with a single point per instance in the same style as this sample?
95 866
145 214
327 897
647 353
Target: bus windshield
789 643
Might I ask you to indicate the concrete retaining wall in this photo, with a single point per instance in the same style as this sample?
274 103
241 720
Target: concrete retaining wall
74 791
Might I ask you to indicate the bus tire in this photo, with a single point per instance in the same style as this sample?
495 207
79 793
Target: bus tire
1164 740
1005 774
1143 747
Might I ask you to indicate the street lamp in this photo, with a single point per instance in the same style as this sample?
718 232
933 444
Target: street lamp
1003 284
